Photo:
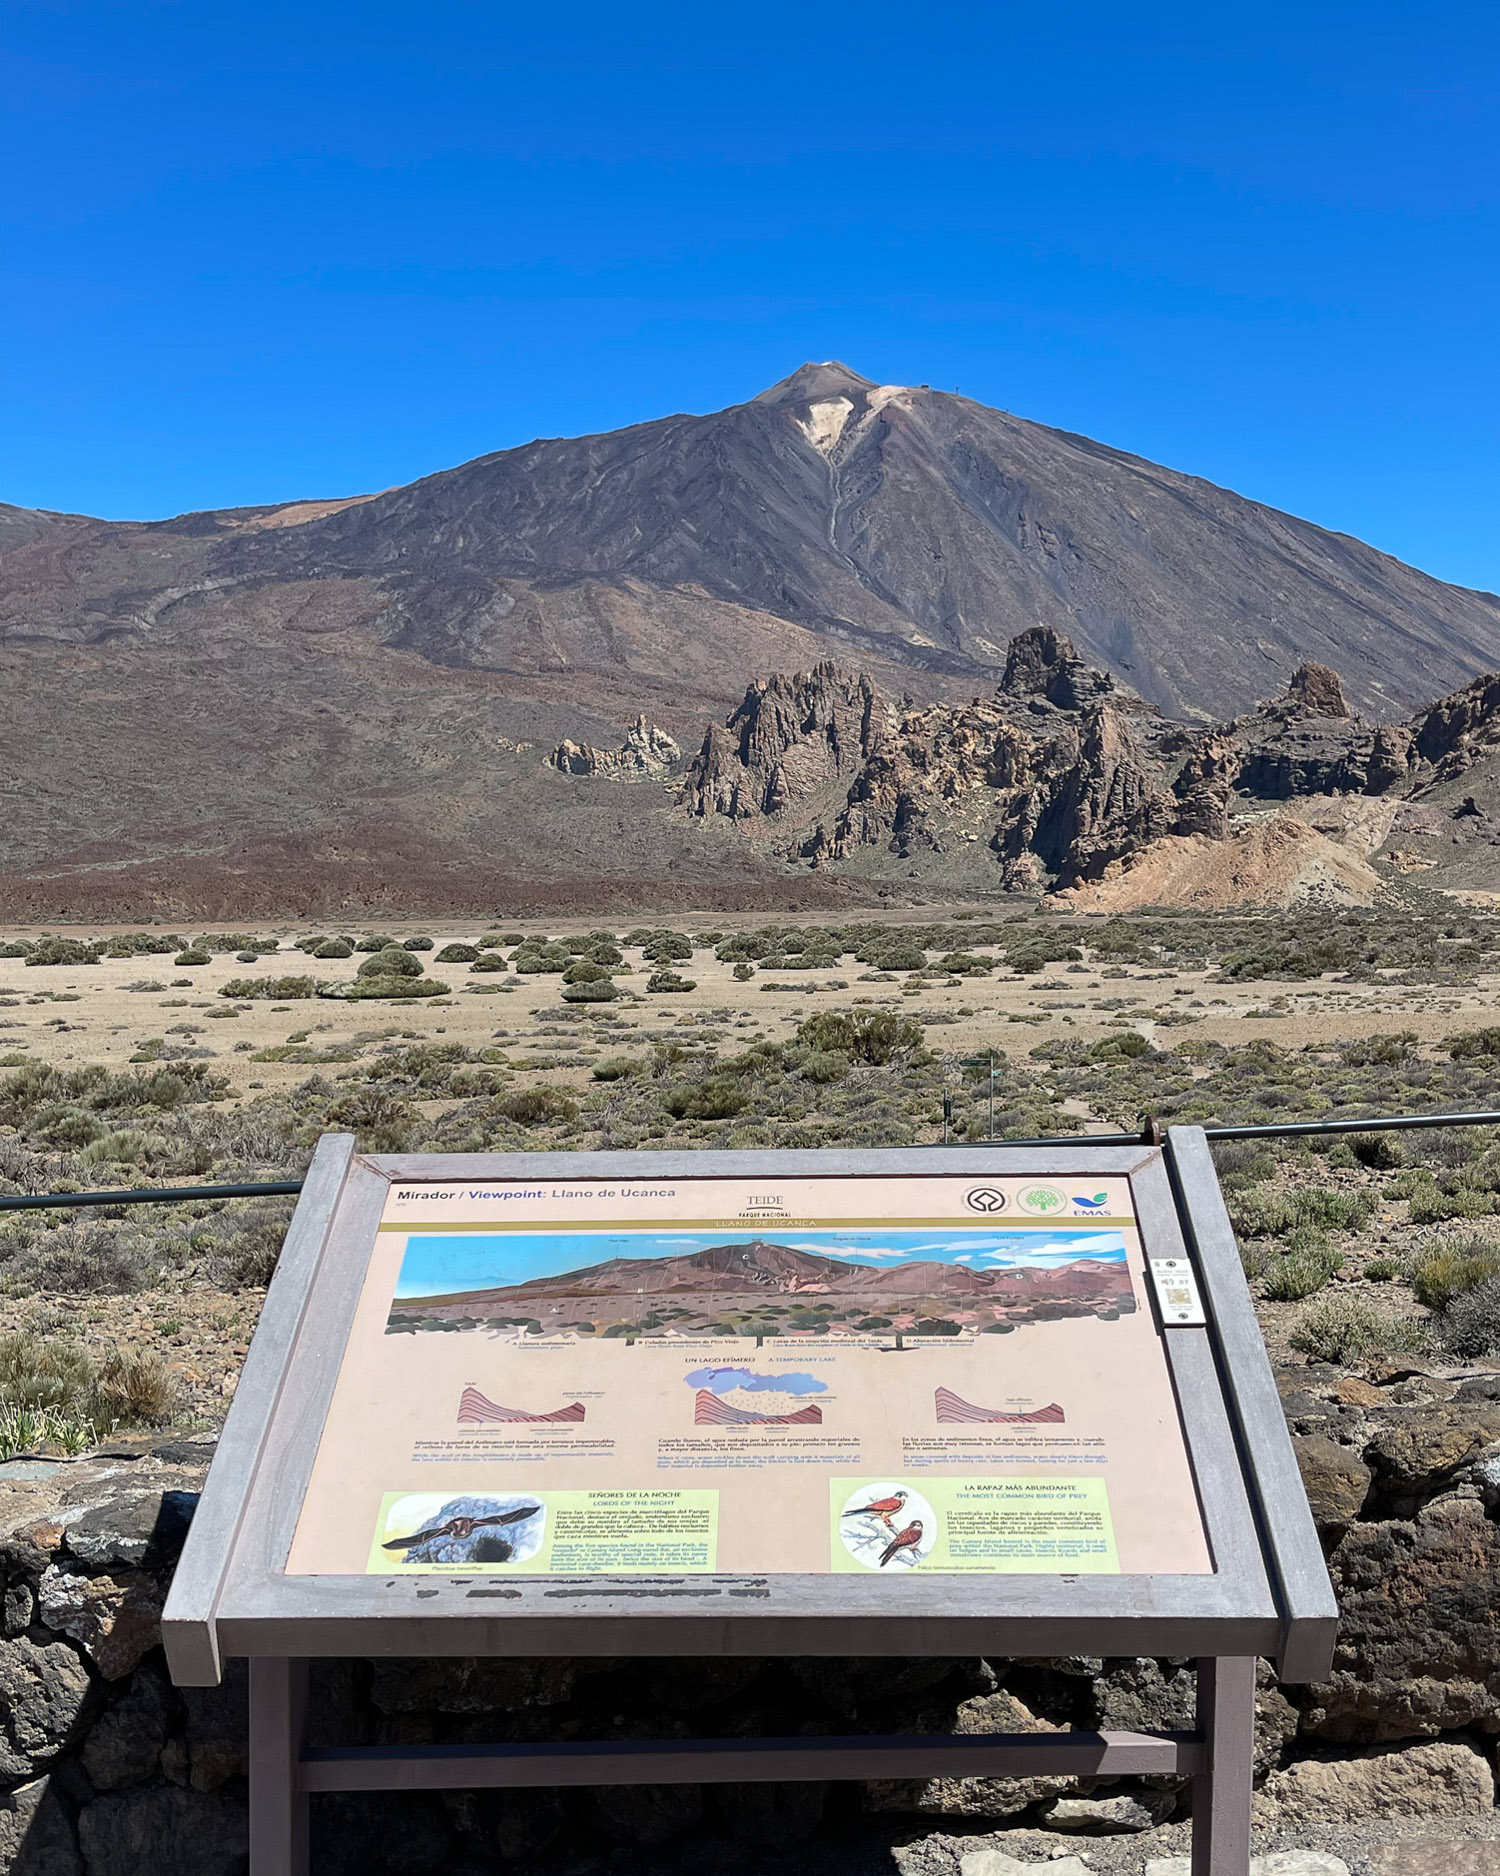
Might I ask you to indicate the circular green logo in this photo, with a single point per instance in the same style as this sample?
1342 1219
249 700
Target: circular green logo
1042 1199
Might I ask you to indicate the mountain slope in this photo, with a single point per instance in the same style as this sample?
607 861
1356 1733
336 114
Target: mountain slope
345 703
913 524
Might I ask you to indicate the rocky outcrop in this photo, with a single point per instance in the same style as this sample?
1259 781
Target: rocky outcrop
646 752
1069 779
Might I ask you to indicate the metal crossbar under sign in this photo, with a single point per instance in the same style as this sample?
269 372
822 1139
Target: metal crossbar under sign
994 1400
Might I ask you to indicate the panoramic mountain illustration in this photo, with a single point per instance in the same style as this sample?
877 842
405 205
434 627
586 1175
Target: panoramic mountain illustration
763 1288
356 700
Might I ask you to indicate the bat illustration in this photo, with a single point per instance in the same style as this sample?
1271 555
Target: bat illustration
461 1527
903 1540
883 1508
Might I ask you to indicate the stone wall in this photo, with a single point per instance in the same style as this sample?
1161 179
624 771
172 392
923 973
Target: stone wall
107 1770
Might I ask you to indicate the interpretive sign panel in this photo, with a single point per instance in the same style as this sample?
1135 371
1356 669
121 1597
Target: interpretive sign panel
988 1400
576 1377
905 1401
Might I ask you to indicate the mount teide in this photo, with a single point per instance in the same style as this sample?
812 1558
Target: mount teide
286 707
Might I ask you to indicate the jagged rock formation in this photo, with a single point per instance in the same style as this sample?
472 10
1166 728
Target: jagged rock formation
647 753
1068 777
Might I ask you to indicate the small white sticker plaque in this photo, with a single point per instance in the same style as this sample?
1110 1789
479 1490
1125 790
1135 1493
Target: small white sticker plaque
1177 1292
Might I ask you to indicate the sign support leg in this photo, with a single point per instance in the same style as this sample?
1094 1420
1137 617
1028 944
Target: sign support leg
1221 1792
278 1805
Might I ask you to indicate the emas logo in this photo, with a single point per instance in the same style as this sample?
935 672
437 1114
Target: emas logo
987 1199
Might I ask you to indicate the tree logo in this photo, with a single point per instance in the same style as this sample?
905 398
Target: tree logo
1044 1200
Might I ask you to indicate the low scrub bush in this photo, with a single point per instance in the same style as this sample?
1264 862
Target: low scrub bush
270 989
1381 1152
660 982
395 961
458 954
1470 1326
192 956
876 1039
416 944
1345 1329
719 1097
1445 1267
537 1107
62 951
392 989
333 948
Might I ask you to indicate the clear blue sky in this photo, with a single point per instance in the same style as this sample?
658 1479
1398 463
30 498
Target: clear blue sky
261 252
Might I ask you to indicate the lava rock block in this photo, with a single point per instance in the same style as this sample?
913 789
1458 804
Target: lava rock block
1418 1648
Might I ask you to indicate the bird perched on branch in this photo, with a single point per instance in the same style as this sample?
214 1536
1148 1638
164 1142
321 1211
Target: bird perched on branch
883 1508
903 1540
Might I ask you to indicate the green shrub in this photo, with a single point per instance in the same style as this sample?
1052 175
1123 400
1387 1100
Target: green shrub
1445 1267
393 961
389 988
488 961
192 956
1343 1329
334 948
582 971
1473 1042
1128 1046
1299 1273
416 944
533 959
1470 1326
1381 1152
310 944
1381 1270
458 954
595 990
374 943
875 1039
380 1121
720 1097
617 1068
62 951
537 1107
825 1066
668 981
743 972
666 947
270 989
39 1373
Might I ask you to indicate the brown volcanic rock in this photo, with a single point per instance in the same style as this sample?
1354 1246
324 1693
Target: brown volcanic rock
1418 1646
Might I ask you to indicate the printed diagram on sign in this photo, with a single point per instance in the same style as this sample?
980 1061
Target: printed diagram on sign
887 1526
476 1410
954 1410
605 1286
424 1527
739 1397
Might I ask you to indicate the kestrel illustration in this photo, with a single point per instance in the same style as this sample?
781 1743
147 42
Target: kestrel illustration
461 1527
883 1508
903 1540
